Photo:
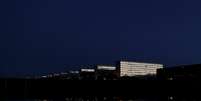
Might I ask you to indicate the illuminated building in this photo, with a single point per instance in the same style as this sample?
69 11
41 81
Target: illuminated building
106 72
105 67
129 68
87 70
87 74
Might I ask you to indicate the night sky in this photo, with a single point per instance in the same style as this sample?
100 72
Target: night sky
42 36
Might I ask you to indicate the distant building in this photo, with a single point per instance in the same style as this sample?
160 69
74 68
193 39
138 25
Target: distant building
129 68
87 74
74 72
88 70
105 67
106 72
73 75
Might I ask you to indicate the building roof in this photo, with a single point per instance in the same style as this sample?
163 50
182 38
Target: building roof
139 62
104 67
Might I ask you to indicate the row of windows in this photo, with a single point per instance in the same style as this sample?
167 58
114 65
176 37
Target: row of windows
133 68
141 64
141 69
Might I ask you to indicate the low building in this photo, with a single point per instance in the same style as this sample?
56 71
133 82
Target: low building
106 72
72 75
87 74
130 68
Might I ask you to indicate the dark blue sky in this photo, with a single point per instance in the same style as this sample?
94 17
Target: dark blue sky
40 36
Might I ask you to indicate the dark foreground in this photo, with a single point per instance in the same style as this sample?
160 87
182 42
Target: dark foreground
111 98
53 89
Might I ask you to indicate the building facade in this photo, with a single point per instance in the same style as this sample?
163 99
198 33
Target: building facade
105 67
105 72
87 74
128 68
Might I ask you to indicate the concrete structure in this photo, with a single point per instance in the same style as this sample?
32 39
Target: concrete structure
87 70
87 74
105 67
106 72
129 68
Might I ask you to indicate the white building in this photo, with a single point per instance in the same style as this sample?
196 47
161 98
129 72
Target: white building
127 68
106 72
87 70
105 67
